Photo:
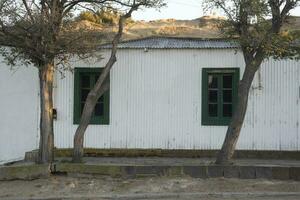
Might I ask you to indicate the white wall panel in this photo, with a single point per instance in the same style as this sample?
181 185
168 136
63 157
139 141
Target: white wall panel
156 103
19 108
272 116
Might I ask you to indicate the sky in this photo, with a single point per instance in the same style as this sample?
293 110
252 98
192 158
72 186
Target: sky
180 9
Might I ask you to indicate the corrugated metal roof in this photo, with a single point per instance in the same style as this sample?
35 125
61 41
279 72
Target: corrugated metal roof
175 43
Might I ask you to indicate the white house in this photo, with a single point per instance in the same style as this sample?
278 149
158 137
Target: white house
166 93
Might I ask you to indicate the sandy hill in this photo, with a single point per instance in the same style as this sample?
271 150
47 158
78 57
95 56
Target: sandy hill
203 27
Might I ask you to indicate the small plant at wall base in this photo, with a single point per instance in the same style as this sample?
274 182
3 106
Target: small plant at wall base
102 84
257 26
38 33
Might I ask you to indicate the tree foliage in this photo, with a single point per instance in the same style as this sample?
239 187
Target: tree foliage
38 32
101 83
104 16
257 26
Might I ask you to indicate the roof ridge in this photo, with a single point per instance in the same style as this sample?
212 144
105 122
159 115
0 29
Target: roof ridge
179 38
157 42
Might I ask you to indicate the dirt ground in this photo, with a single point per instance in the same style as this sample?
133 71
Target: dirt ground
88 187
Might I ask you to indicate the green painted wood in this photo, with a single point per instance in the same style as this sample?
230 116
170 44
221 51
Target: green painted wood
220 120
92 72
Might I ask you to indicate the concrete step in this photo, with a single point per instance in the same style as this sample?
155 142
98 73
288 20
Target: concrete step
198 171
141 167
183 195
176 153
25 171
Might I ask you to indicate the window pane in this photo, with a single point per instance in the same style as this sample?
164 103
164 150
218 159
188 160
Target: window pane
81 108
99 109
227 81
212 81
227 110
85 81
84 94
227 96
97 75
96 78
213 96
101 99
213 110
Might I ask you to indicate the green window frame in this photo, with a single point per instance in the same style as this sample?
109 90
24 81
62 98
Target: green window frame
84 80
219 95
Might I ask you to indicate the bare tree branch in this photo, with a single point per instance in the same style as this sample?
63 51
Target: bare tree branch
95 93
260 37
28 10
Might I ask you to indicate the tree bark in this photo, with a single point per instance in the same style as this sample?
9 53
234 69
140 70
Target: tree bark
97 91
226 153
84 121
253 56
46 116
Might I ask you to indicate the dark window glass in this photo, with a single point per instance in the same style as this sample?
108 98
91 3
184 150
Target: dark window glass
219 94
227 81
84 94
85 81
99 109
85 89
101 99
212 81
81 108
227 96
227 110
213 110
213 96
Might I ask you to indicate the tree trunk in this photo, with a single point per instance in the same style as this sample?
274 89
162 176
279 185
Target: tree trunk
46 116
234 128
90 103
89 106
99 88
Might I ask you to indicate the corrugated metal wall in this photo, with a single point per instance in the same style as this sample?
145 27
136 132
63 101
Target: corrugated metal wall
156 103
19 108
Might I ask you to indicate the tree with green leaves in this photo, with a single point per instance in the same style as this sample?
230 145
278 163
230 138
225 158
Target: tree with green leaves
257 26
38 33
104 16
102 84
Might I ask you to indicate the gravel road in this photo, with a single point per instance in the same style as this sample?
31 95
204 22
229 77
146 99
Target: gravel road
91 187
